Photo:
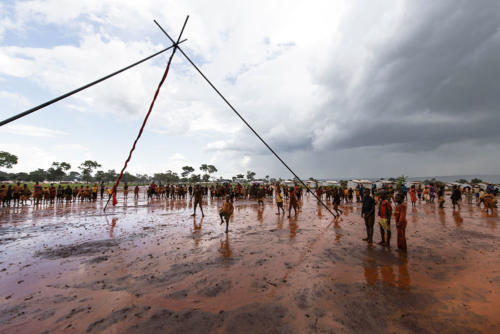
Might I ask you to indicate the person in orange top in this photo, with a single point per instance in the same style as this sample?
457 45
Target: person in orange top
293 202
400 215
413 196
226 211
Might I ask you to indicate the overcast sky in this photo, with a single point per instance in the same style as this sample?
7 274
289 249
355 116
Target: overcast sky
338 88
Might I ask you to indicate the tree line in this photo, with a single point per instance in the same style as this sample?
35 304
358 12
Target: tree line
88 171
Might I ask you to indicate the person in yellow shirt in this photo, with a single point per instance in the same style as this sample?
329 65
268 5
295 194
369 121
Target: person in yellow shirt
279 199
94 192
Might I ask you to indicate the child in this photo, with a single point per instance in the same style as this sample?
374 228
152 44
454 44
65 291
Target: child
226 211
279 200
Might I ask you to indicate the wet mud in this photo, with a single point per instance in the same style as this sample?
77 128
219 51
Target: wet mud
152 268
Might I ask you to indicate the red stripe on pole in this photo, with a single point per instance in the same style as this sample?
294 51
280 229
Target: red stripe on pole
115 201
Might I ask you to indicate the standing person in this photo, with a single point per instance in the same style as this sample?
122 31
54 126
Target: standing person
368 213
94 192
293 202
400 215
441 197
125 190
384 213
279 199
68 193
226 211
456 196
413 196
197 195
336 201
136 192
260 195
102 189
37 193
468 194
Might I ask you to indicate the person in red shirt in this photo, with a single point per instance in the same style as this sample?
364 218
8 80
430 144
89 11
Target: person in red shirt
400 215
384 212
293 202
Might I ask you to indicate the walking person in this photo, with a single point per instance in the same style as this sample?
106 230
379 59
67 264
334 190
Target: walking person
456 197
197 195
368 213
279 199
226 211
293 202
413 196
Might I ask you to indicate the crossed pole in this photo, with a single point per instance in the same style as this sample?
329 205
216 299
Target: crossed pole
243 120
175 46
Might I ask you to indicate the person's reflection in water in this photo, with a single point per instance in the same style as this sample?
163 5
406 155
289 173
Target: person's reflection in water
260 212
225 249
403 274
371 271
281 218
337 229
197 231
320 213
293 227
457 218
388 274
414 218
442 217
112 229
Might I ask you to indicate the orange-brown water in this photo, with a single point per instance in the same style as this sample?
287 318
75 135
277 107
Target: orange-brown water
146 268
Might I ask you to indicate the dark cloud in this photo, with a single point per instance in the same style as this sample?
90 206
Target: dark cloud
434 81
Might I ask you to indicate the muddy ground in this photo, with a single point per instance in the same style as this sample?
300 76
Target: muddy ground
151 268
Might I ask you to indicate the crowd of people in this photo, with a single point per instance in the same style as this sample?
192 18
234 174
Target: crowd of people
387 203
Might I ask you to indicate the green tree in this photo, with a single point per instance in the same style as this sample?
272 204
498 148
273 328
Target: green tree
187 170
72 176
22 176
87 167
211 169
461 181
195 178
240 176
250 175
204 168
57 171
99 176
7 160
38 175
110 176
476 181
401 180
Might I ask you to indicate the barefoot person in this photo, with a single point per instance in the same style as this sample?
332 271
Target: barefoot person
279 199
293 202
456 197
197 195
384 213
226 211
136 192
336 201
413 196
400 215
368 213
